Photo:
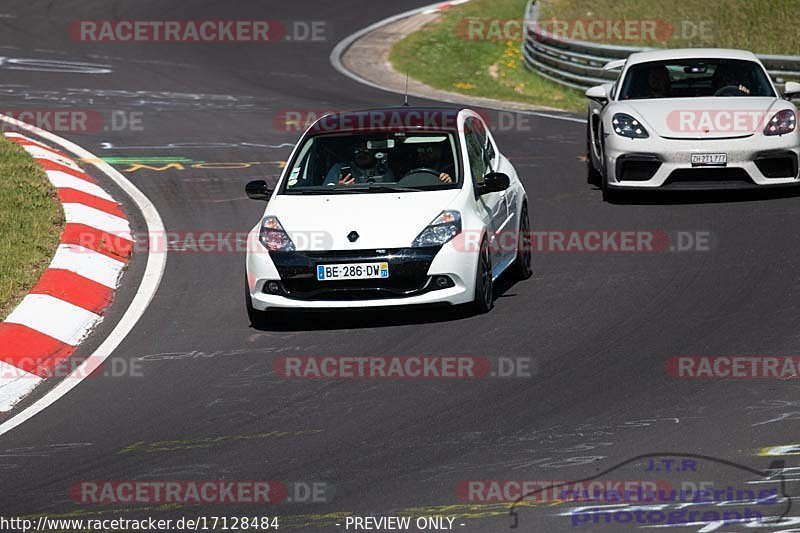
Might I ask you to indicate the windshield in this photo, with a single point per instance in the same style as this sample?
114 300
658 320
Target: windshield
689 78
388 162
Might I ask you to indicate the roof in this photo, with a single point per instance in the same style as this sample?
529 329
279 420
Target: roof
690 53
443 119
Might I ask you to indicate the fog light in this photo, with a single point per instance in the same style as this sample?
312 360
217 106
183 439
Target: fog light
273 287
442 282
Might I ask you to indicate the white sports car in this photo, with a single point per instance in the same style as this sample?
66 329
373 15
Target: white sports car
692 119
388 207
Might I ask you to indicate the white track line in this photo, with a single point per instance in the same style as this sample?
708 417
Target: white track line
156 263
343 45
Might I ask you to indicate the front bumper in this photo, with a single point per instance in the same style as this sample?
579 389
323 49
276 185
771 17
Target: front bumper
416 276
657 162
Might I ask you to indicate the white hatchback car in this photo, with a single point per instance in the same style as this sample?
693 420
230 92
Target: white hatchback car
692 119
388 207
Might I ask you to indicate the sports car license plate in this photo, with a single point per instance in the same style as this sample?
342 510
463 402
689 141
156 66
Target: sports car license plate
352 271
709 160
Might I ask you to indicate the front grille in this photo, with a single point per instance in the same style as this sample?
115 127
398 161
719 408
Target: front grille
709 178
777 165
637 166
637 169
310 288
408 274
348 294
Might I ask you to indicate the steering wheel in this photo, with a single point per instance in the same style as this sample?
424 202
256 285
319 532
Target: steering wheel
422 170
729 90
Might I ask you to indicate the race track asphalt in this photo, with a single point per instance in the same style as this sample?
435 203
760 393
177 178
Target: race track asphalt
206 404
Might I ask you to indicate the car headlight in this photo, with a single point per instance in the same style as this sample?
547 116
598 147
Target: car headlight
443 229
782 123
627 126
274 237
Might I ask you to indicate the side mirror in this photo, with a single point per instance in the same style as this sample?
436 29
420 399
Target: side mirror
598 93
257 190
494 182
792 89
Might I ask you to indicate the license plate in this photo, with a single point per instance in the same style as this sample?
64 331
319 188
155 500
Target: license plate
352 271
709 160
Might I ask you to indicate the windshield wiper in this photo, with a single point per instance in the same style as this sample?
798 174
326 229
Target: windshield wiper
372 187
309 191
385 187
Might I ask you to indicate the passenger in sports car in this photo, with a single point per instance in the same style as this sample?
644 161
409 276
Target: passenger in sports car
658 81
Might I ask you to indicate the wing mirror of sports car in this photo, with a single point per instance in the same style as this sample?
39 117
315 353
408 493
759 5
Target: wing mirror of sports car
598 93
792 89
257 190
494 182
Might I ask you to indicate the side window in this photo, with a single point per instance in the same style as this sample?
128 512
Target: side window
491 155
480 133
475 151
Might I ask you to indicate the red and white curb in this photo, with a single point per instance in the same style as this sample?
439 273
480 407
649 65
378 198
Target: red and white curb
68 301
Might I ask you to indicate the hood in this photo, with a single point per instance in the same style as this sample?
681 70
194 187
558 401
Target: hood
703 118
382 220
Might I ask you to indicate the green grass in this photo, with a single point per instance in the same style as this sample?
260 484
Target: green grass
31 220
762 26
437 56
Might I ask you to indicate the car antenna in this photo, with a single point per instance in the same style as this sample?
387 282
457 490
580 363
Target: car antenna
405 95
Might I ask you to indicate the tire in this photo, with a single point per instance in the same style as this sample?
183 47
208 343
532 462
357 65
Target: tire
257 318
483 299
609 195
521 268
593 176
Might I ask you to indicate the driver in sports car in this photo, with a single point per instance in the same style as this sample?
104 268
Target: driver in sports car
366 167
725 78
430 156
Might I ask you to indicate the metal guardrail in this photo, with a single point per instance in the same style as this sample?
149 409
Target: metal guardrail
579 64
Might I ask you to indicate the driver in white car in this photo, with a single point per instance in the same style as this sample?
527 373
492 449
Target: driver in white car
366 167
430 156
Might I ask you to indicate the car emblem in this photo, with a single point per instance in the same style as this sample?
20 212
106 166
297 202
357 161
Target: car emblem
353 236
